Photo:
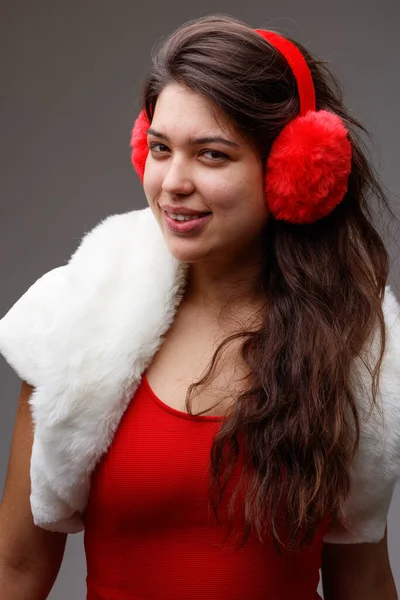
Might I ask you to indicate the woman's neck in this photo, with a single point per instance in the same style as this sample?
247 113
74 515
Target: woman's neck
225 289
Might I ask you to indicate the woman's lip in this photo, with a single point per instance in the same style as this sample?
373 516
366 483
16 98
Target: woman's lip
183 210
194 225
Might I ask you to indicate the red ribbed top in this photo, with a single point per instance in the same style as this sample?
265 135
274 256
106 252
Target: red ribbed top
149 532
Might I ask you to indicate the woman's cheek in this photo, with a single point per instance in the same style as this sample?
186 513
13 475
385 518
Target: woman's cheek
152 180
220 188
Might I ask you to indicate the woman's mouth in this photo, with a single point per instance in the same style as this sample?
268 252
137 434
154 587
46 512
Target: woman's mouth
185 223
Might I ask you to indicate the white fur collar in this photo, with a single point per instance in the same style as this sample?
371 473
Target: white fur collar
83 334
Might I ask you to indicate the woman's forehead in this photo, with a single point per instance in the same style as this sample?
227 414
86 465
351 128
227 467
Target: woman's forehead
180 111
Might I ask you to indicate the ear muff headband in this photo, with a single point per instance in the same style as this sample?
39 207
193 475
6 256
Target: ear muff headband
309 164
298 64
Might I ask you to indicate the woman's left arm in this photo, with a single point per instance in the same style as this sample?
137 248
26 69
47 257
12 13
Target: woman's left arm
354 571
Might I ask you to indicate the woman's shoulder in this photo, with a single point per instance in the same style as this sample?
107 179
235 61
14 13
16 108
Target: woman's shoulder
390 374
389 380
376 468
32 328
391 311
380 422
82 336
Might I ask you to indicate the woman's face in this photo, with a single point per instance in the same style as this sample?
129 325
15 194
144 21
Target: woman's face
197 161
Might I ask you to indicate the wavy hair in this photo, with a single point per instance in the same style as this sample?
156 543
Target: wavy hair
324 285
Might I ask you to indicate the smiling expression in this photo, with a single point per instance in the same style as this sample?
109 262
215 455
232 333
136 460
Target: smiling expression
198 161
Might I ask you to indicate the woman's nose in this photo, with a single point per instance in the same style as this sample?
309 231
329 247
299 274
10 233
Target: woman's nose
177 179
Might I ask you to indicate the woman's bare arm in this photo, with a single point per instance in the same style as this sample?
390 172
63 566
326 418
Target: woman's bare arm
353 571
30 557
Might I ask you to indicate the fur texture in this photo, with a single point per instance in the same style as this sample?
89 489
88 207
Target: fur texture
139 147
84 333
308 168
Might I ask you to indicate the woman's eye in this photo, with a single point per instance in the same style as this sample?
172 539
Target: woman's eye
215 155
211 155
157 147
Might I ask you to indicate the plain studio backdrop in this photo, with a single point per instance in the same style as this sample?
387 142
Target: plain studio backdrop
71 73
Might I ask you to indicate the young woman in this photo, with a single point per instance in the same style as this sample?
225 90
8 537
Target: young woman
214 380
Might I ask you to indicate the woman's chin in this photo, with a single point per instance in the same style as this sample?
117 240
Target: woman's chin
183 253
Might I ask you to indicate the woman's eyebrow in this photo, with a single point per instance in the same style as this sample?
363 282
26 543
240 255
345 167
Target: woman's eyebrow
196 141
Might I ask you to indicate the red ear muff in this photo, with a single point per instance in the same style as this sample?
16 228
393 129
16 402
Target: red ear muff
309 164
308 168
139 147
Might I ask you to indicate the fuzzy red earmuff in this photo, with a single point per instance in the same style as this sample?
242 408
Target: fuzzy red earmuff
309 164
139 145
308 168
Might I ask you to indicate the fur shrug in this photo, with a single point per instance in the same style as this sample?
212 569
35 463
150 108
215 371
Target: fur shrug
84 333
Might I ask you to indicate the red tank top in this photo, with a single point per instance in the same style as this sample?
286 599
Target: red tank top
149 531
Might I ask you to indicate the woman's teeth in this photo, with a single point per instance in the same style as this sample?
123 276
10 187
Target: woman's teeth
183 217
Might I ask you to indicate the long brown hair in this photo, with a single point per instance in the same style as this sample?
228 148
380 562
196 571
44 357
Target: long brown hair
324 284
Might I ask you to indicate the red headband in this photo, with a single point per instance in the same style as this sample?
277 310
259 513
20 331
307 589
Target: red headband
300 69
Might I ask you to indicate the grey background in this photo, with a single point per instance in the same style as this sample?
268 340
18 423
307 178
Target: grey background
70 77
